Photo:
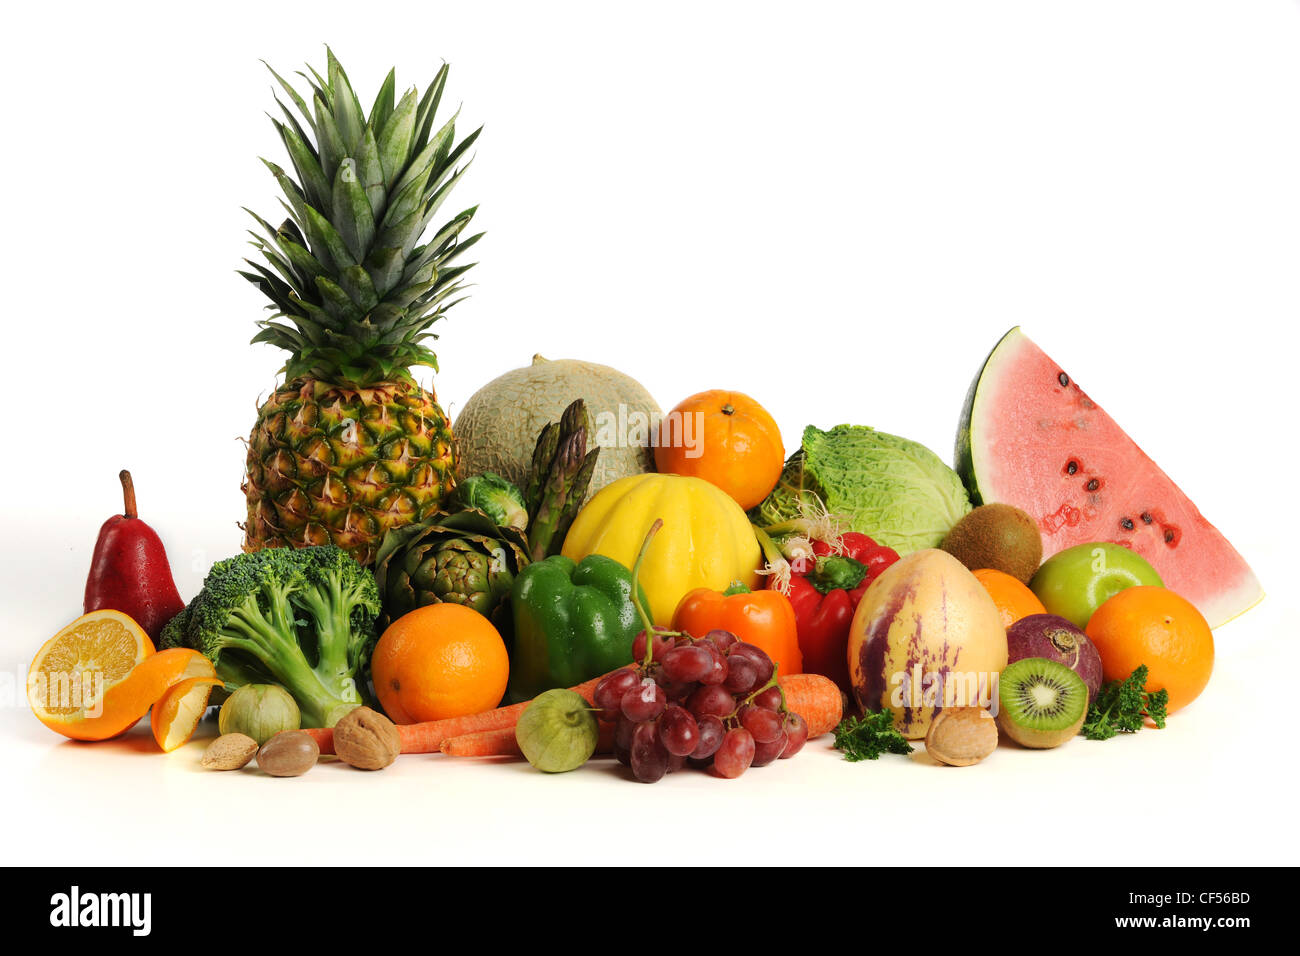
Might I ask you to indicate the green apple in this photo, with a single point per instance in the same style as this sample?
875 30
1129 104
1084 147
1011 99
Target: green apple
1075 582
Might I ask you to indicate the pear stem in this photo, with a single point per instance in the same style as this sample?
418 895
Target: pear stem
128 493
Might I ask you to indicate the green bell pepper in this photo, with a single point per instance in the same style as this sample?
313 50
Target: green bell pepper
572 622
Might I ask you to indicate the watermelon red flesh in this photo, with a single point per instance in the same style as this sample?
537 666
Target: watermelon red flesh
1030 437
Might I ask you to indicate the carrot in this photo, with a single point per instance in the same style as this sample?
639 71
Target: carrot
324 737
483 743
502 743
408 733
428 737
816 699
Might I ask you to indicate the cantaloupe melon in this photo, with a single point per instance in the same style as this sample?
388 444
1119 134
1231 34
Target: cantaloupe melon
498 427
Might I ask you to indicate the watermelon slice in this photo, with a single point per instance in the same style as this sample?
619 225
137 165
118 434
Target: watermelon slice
1030 437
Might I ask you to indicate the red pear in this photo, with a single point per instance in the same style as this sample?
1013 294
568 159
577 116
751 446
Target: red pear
129 570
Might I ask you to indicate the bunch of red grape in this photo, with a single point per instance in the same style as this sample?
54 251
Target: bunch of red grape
711 703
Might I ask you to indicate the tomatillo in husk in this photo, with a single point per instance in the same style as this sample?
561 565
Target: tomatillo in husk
557 732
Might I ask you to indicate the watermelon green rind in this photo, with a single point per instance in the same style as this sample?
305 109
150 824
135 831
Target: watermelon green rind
963 455
1017 437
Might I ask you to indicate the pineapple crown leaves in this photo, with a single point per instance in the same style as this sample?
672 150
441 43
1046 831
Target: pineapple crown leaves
347 267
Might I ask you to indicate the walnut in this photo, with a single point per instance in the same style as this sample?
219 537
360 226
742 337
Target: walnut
366 739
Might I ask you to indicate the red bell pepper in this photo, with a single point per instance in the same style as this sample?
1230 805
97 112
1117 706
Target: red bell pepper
824 592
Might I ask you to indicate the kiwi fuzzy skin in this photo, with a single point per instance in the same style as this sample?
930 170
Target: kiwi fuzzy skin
997 536
1038 739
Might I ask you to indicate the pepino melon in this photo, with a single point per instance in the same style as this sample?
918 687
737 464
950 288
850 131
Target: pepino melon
1030 437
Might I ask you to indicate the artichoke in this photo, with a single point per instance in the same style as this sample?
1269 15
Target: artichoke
462 558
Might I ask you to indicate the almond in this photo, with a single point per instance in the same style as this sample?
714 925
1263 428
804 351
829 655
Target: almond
229 752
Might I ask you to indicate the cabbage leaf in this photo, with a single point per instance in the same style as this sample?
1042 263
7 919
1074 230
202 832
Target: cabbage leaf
893 489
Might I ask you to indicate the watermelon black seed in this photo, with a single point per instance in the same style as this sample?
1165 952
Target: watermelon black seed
1071 467
1146 518
1127 523
1063 379
1093 484
1171 536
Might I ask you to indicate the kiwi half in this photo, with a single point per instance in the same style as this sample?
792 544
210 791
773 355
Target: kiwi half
1041 703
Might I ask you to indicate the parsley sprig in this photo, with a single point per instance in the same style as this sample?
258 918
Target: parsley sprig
1122 706
868 737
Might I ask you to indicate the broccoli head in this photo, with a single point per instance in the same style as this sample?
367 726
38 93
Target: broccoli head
301 618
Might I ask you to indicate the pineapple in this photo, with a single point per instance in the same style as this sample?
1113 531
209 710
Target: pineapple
351 445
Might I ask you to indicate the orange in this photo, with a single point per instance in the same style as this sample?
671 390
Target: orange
1154 626
177 713
727 439
439 661
99 675
1013 598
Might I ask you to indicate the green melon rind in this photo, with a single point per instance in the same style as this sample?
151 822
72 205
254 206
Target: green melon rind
497 428
964 453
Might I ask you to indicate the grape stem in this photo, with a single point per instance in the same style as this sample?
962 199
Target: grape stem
749 698
773 682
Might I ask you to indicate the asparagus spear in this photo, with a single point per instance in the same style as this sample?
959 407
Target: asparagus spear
561 474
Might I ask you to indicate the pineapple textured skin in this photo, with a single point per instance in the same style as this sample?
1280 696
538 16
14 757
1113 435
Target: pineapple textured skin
342 466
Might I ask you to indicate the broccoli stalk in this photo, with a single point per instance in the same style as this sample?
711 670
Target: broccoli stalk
332 603
303 619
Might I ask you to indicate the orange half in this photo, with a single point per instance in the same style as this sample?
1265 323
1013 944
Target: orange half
75 667
100 674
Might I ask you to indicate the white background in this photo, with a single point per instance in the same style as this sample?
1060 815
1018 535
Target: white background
835 208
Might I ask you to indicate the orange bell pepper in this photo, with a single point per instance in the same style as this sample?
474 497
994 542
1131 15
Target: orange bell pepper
763 618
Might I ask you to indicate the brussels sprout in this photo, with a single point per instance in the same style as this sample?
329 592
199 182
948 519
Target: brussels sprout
260 711
496 497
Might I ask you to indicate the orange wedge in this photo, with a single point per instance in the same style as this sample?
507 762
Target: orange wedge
100 674
177 714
